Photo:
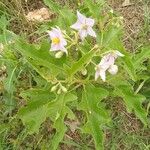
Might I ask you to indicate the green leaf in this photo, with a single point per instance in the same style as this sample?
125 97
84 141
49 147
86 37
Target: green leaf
77 66
110 36
7 37
44 72
33 117
95 7
60 101
129 66
53 5
35 112
41 56
58 137
4 127
57 111
97 116
142 56
132 101
3 22
10 83
41 104
34 95
65 21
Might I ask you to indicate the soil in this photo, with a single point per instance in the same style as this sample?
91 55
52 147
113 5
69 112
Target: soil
133 21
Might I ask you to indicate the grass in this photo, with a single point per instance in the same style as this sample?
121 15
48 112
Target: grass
125 133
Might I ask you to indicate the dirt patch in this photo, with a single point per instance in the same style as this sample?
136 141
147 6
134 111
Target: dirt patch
133 21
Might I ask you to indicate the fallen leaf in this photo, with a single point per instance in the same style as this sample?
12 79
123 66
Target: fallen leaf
39 15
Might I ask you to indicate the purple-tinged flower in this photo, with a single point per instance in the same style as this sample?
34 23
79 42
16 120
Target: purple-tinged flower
58 40
107 63
84 26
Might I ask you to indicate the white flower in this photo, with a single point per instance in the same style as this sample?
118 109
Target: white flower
58 40
113 69
107 63
84 26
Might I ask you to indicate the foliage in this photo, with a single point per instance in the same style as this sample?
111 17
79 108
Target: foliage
57 87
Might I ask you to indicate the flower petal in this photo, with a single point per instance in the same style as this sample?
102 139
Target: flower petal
55 47
57 32
96 74
107 61
90 22
64 50
51 34
63 41
119 54
83 34
77 25
91 32
102 74
113 69
81 18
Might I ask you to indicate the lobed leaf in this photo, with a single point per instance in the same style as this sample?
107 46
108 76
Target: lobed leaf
35 112
132 101
41 56
129 67
77 66
57 111
142 56
95 7
52 5
97 116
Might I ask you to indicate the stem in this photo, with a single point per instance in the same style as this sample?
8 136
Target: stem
102 36
95 47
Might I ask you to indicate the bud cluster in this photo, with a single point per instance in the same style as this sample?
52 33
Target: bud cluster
59 88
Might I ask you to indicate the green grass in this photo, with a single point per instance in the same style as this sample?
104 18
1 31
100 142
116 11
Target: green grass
128 135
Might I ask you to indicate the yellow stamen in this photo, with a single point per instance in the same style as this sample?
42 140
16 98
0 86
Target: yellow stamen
55 40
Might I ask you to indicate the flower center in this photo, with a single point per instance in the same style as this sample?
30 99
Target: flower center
56 40
84 27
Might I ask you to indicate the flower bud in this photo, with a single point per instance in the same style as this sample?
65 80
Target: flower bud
117 25
63 89
59 91
54 88
11 42
3 68
84 72
111 11
59 54
113 69
1 47
57 116
121 17
96 46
